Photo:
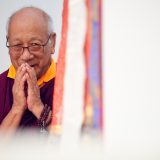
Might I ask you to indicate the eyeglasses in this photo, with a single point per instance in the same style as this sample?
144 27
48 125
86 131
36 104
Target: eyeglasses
34 48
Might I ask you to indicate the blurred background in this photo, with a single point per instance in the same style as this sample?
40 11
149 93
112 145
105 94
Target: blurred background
131 78
7 7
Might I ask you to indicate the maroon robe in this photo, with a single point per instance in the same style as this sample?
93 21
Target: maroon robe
6 100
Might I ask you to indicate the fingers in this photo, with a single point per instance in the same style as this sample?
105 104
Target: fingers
18 88
33 98
20 76
31 78
20 71
31 73
25 72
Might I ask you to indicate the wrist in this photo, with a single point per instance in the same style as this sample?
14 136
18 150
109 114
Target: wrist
17 110
37 109
45 117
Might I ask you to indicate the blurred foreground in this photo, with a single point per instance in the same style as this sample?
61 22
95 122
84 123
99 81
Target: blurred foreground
30 145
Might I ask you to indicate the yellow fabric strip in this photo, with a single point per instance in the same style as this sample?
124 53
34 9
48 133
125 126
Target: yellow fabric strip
50 73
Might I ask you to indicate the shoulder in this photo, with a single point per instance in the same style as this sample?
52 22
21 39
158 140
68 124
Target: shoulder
4 74
3 79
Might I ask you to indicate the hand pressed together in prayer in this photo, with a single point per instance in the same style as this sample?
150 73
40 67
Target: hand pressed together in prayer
30 46
31 100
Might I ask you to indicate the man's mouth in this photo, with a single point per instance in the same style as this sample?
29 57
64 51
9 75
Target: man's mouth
33 65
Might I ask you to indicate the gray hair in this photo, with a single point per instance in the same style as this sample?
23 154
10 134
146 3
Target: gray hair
46 16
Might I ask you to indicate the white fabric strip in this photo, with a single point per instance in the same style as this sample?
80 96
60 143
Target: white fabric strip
74 74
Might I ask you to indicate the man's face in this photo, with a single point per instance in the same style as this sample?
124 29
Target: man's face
28 29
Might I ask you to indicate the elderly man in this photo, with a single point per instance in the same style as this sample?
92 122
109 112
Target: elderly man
26 88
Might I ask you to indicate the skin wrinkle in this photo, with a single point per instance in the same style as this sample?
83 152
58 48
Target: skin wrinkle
44 15
25 27
24 33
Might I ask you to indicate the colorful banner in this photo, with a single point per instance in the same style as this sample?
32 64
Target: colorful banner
93 90
79 71
59 81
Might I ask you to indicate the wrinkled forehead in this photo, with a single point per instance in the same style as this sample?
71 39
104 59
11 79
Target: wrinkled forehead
26 18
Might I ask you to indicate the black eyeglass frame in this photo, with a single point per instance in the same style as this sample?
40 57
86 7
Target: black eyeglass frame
22 47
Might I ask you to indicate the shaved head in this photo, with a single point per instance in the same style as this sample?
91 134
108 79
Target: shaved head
31 26
28 12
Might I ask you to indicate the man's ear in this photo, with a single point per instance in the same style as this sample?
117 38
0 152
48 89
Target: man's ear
53 42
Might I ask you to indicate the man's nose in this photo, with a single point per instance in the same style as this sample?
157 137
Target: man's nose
26 55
